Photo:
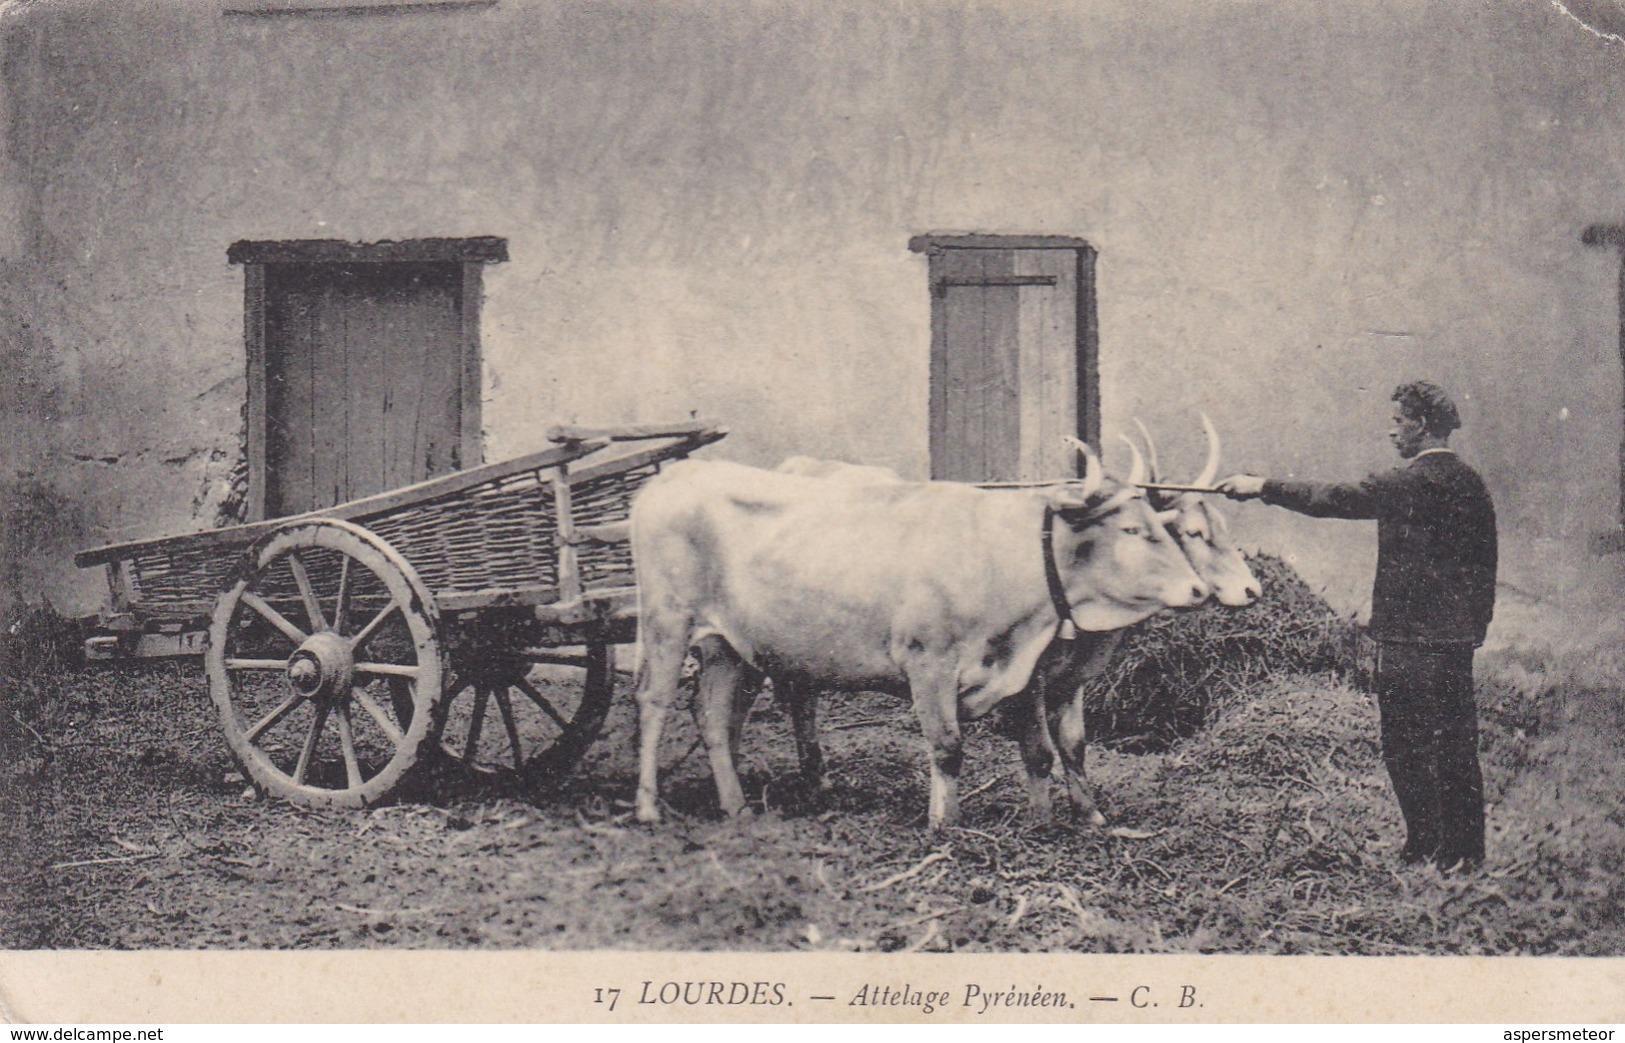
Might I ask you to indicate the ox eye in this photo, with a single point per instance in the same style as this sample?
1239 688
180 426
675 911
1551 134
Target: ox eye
1193 534
1132 530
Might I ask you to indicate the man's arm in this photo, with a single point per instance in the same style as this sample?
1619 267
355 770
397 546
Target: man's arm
1316 499
1323 499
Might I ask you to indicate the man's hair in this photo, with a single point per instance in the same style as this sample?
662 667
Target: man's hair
1428 404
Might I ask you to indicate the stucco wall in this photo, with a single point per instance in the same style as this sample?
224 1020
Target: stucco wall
708 207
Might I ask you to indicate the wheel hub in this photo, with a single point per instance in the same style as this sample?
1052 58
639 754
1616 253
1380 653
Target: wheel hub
322 667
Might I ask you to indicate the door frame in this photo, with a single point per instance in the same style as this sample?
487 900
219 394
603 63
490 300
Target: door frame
255 255
934 246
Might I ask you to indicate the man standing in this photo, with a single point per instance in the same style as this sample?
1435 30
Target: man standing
1430 605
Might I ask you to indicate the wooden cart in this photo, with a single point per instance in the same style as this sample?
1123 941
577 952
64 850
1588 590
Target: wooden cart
468 617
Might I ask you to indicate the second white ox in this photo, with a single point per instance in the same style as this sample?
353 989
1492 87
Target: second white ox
1048 720
936 590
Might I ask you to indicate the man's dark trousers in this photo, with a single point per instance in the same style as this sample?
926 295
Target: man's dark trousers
1430 745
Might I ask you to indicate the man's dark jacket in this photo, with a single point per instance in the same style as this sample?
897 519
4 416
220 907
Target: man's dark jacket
1436 550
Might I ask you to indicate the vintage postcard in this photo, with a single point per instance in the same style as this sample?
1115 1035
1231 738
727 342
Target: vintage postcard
925 511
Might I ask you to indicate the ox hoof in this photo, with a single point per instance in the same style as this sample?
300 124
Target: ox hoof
1089 815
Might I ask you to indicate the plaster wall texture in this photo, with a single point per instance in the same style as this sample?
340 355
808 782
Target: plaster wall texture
708 205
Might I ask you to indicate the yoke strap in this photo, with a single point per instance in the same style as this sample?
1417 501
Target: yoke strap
1052 578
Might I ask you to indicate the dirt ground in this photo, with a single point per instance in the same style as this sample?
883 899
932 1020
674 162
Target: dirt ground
1271 830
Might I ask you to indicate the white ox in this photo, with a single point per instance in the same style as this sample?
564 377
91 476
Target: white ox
1050 723
937 590
1049 718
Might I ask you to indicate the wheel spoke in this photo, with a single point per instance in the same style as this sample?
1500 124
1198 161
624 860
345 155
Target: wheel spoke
505 704
313 608
311 740
389 669
256 664
352 768
341 604
541 702
395 734
273 717
373 624
276 619
476 723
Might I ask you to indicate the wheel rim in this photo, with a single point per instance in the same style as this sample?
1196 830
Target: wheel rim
526 712
325 664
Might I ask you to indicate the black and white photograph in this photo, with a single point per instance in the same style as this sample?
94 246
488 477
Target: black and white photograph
792 511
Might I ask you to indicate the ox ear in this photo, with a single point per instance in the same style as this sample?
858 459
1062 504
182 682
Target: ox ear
1066 498
1079 506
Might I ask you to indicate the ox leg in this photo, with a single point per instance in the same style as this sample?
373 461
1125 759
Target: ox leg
1072 740
1034 722
802 701
1058 729
936 704
719 710
745 695
1026 714
1071 736
663 644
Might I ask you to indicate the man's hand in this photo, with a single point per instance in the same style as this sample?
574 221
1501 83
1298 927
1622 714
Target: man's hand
1242 486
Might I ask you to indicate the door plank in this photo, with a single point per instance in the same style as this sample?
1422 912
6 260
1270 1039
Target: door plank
1048 339
981 367
329 389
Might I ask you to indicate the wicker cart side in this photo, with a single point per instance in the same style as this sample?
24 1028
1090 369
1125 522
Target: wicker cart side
541 529
177 578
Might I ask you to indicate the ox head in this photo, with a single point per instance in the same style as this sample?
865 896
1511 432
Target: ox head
1116 560
1202 531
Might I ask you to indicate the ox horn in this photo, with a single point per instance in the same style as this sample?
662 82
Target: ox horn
1137 471
1150 451
1093 473
1210 470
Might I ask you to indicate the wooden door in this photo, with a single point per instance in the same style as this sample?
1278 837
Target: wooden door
363 365
1012 355
363 379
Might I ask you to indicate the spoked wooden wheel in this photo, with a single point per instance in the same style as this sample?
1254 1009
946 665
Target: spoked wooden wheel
528 712
325 663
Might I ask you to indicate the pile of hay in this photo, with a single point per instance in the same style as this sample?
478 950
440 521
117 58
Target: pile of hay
1173 670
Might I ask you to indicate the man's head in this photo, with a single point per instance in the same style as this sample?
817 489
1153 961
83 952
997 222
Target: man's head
1424 416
